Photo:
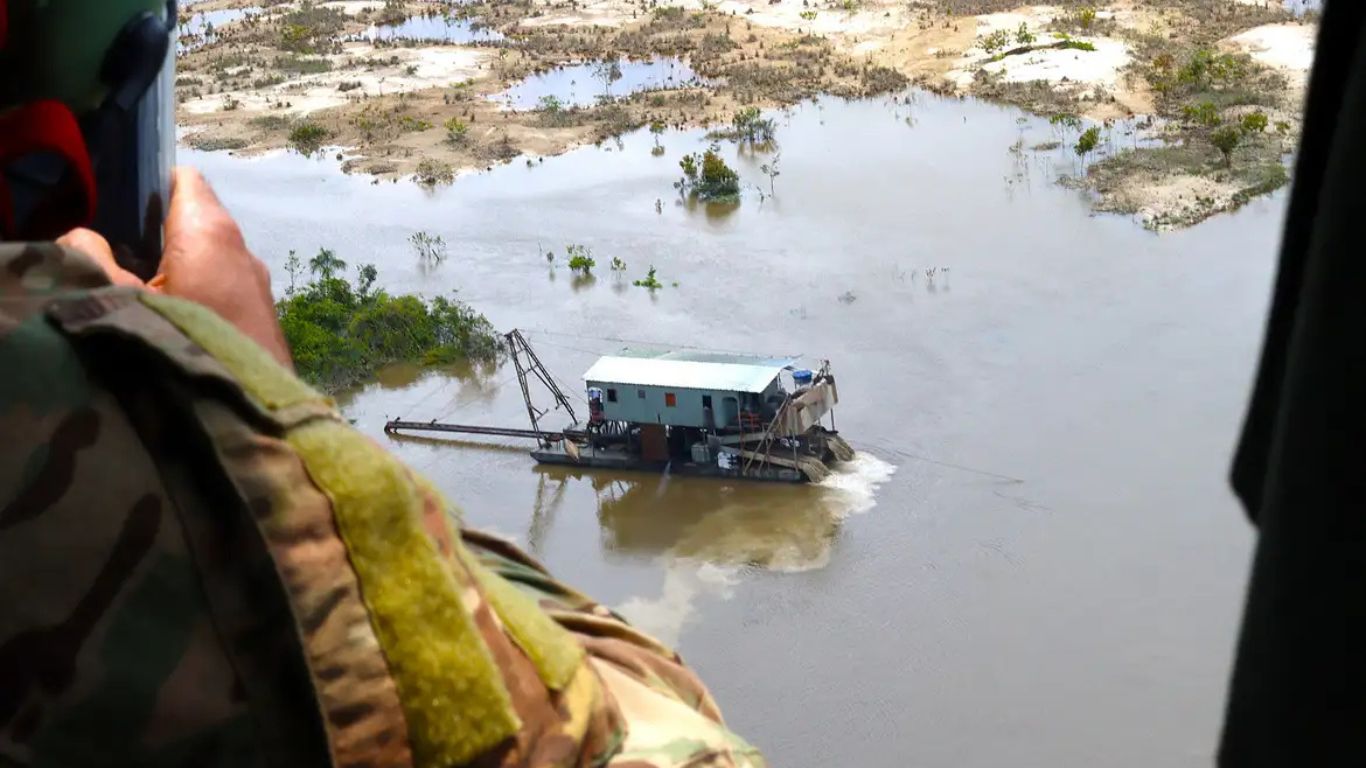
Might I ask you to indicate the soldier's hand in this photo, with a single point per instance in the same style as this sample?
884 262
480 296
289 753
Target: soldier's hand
205 259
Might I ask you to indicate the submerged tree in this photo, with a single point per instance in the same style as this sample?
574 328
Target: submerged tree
770 169
707 177
430 249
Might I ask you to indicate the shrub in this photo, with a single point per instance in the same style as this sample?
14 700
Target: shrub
307 137
580 259
432 172
649 281
1254 123
1023 36
1203 113
995 41
457 131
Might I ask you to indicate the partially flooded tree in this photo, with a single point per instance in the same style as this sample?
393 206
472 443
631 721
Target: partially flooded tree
749 124
770 169
430 249
608 72
580 259
657 128
707 177
1087 143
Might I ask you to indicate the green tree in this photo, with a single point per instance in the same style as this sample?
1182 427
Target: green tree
708 177
1226 140
294 266
325 265
1088 141
1023 36
366 276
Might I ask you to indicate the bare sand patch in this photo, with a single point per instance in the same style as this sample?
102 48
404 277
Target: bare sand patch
1288 47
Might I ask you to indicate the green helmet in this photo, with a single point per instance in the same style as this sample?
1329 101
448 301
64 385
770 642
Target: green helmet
87 131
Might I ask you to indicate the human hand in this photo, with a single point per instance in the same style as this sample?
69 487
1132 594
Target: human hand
204 259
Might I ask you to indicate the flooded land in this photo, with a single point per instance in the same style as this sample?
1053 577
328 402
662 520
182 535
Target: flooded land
1035 558
430 90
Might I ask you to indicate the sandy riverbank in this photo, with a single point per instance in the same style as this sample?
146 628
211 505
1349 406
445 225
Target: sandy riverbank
313 75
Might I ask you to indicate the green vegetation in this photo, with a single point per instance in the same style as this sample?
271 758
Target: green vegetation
341 332
1255 122
457 131
808 15
1087 142
410 124
299 65
269 122
995 41
307 137
649 281
310 28
1226 140
617 264
580 259
748 125
1075 45
1023 36
1203 113
430 249
431 172
707 177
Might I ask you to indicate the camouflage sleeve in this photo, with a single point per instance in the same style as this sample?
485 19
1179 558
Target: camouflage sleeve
203 563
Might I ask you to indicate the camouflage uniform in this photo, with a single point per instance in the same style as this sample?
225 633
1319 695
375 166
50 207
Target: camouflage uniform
202 564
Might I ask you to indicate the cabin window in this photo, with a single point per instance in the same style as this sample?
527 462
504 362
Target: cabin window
670 400
706 401
611 395
640 393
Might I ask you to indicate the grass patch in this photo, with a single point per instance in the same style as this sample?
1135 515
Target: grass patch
217 143
302 65
269 122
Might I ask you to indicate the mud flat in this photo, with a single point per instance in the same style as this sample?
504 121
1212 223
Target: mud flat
420 89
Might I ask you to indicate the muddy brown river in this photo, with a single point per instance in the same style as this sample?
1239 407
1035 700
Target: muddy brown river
1035 561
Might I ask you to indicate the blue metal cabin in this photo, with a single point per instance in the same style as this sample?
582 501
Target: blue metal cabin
678 388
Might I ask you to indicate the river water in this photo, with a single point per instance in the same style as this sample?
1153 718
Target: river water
1036 560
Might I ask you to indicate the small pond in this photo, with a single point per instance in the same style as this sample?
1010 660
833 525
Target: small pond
581 85
197 29
435 28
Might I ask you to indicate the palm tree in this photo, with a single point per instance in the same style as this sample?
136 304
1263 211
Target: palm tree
326 265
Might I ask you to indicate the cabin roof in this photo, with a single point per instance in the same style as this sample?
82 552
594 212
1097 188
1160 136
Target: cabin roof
688 370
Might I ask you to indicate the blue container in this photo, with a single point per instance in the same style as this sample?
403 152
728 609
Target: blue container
802 377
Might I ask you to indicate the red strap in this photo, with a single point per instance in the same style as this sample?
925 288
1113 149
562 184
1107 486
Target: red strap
48 126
